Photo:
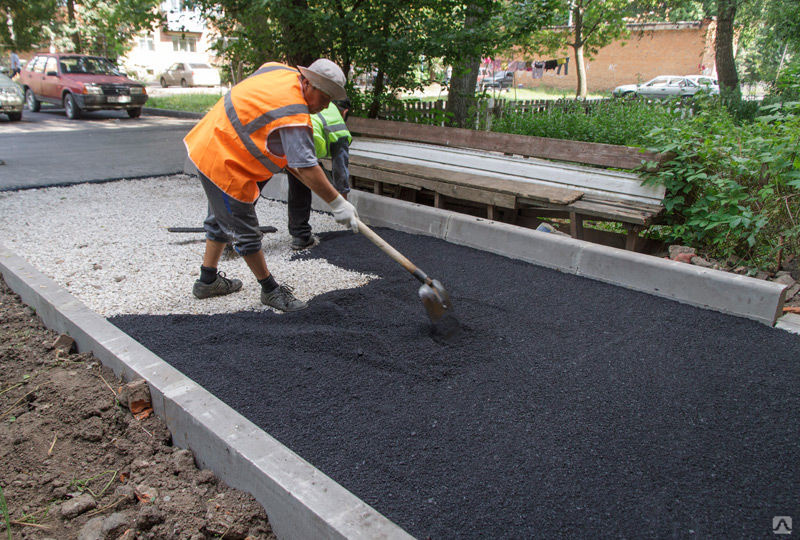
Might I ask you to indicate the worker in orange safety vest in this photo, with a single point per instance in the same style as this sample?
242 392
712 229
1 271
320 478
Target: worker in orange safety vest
260 127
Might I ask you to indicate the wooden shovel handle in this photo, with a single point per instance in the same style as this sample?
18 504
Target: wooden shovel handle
391 252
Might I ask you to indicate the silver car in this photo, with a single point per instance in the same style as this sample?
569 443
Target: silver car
669 86
189 74
12 98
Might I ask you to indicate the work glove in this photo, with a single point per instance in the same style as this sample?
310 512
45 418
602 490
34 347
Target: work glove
344 213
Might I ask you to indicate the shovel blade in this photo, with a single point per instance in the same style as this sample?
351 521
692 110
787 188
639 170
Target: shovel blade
445 326
435 299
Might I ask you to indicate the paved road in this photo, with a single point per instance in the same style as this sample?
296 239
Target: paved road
46 148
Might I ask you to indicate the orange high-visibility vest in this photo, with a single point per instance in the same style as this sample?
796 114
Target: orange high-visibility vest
229 145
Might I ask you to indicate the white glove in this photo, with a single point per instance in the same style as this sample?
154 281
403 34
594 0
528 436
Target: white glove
344 213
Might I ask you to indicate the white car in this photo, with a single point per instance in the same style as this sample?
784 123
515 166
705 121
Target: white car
189 74
668 86
11 98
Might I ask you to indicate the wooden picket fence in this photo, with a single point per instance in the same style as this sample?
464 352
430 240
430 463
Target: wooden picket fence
488 110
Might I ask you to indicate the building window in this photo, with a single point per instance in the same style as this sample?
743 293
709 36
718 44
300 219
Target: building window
187 44
147 43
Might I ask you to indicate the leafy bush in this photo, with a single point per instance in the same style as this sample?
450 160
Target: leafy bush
618 121
787 87
732 189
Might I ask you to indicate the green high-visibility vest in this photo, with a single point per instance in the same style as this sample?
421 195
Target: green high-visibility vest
329 127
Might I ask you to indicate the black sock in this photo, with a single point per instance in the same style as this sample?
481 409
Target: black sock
208 275
268 284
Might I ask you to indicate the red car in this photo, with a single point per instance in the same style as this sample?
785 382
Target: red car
80 83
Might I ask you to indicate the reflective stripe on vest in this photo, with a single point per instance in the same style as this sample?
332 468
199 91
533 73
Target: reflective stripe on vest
245 131
331 132
267 69
230 144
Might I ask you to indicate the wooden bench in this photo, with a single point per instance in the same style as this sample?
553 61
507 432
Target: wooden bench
504 177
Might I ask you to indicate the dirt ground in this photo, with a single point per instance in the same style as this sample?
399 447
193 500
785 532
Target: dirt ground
76 463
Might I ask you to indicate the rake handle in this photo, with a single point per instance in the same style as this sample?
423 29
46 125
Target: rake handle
393 253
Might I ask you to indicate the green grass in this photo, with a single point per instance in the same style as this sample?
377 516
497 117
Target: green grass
620 122
4 511
199 103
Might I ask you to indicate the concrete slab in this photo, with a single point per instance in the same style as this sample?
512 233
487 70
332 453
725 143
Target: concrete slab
300 500
789 322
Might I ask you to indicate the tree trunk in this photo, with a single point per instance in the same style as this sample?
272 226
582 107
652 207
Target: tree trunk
377 90
580 65
346 65
76 37
726 65
464 76
461 94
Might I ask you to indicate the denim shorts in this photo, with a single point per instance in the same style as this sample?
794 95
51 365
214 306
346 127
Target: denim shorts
230 221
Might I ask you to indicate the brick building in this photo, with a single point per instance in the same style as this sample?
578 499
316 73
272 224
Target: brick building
652 49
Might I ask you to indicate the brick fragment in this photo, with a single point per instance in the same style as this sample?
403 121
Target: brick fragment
64 344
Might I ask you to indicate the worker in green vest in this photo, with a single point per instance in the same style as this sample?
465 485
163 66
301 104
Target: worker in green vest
331 140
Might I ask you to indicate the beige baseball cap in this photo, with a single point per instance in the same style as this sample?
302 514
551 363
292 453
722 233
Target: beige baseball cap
327 77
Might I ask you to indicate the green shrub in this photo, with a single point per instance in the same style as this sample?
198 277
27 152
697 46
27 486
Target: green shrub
732 188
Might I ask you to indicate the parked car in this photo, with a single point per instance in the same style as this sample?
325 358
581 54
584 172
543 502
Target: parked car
710 84
11 98
189 74
500 79
668 86
80 83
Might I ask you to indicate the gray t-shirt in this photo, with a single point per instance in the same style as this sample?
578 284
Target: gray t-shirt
297 143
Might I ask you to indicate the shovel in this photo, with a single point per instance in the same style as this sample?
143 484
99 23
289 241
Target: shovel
432 293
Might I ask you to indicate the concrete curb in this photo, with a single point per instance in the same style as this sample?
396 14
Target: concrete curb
702 287
789 322
301 501
151 111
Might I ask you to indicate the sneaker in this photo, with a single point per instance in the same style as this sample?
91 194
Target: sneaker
300 242
219 287
282 298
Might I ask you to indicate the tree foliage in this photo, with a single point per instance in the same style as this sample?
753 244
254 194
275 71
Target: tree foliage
26 23
773 41
383 41
585 26
107 27
104 27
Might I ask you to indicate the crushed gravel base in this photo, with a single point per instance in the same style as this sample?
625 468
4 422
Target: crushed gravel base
108 245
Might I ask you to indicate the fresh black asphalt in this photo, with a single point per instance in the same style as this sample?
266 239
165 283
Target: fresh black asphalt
568 407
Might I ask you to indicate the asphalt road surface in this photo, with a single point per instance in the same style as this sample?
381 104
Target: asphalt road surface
48 149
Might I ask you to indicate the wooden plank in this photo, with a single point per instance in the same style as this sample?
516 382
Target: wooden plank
631 237
597 210
590 180
539 192
606 155
448 189
576 225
